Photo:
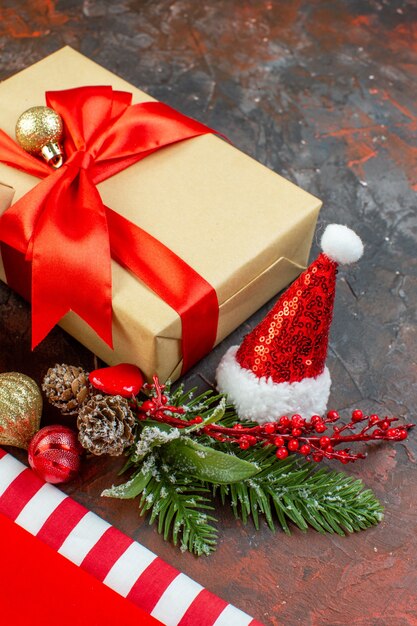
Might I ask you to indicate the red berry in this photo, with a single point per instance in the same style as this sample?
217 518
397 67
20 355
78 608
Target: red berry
279 441
296 432
324 442
333 415
197 420
284 421
329 449
270 428
317 457
320 427
378 432
293 445
357 415
305 448
297 420
148 406
385 425
251 440
373 420
243 443
397 433
238 426
281 453
315 418
343 457
164 399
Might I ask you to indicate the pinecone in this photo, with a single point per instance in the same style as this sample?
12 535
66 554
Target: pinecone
67 387
105 425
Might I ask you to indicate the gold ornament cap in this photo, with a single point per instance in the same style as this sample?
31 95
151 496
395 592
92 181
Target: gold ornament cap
20 409
39 131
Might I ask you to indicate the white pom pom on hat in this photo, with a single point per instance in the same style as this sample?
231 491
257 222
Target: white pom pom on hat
341 244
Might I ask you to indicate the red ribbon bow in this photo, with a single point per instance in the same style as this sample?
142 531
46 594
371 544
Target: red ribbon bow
63 229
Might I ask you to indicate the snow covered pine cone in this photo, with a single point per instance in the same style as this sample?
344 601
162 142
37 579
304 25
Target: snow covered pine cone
67 387
105 425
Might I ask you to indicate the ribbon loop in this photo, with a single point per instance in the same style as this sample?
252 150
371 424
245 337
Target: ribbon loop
70 258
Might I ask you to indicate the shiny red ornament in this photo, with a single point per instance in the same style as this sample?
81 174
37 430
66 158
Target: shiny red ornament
55 454
124 380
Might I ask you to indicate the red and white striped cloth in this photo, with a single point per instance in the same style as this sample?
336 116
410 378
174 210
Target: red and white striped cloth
110 556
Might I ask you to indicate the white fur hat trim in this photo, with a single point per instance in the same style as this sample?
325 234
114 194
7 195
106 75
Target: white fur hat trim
262 400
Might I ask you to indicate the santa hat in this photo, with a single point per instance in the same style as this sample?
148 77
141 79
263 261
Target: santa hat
280 368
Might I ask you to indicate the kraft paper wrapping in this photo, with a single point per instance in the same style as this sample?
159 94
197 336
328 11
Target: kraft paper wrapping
245 229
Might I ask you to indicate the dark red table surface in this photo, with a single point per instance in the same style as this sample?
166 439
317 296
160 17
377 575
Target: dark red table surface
323 92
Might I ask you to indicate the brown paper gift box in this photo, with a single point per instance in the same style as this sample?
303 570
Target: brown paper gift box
245 229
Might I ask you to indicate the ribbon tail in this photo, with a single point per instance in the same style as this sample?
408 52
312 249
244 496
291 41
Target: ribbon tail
71 268
171 278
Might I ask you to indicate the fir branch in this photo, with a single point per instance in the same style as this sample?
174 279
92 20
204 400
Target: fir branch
326 500
178 504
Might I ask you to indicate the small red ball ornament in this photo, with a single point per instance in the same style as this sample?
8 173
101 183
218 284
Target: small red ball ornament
55 454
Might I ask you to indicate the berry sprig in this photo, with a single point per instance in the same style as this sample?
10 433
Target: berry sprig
315 439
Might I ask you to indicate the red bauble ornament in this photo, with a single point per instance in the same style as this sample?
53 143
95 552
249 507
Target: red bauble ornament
55 454
121 380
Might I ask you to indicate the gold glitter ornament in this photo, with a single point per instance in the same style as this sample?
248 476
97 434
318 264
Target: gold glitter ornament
39 131
20 409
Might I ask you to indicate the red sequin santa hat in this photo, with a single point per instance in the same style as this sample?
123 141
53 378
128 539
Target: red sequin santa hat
280 367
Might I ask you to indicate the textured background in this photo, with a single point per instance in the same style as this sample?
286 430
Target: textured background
324 93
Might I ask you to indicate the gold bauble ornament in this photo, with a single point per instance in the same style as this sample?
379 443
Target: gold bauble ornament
20 409
39 130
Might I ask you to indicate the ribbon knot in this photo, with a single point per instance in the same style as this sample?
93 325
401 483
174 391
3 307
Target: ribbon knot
81 160
67 236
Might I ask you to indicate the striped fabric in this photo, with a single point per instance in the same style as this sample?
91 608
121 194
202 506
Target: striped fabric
110 556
